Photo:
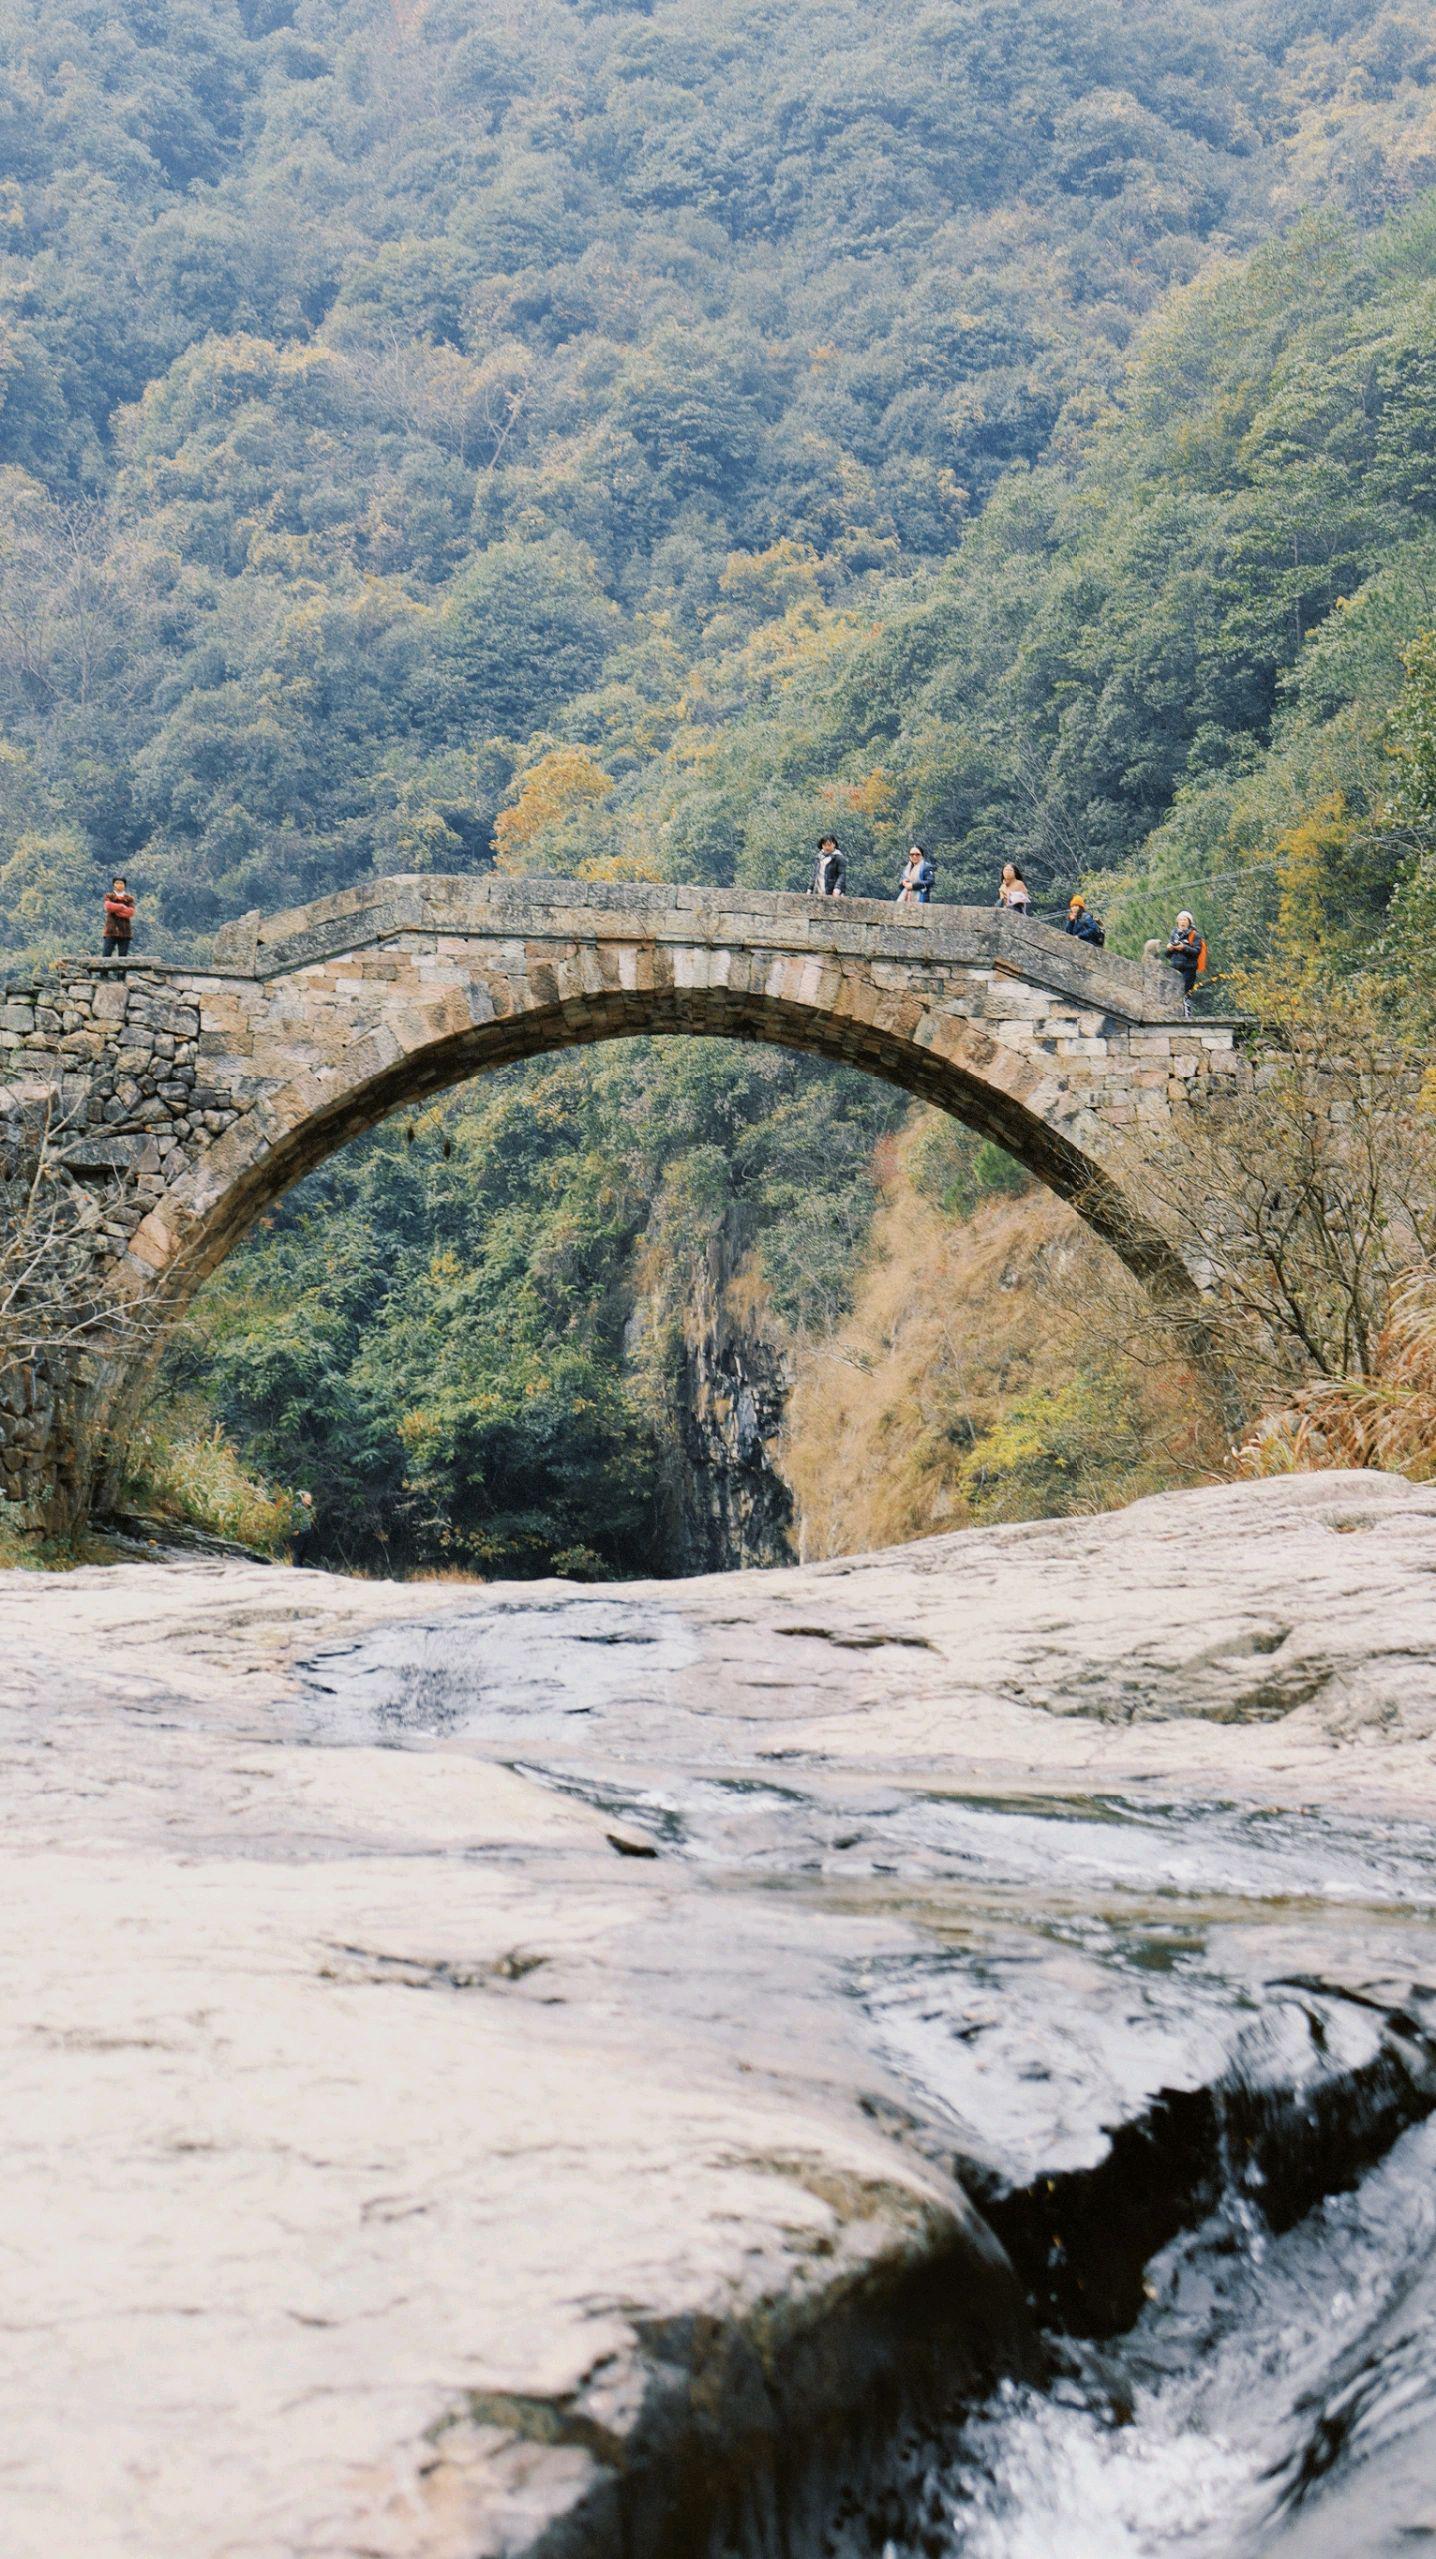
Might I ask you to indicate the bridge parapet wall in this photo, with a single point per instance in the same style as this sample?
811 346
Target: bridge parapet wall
750 919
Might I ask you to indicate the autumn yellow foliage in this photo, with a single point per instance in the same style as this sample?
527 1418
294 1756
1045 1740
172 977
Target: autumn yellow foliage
561 785
981 1376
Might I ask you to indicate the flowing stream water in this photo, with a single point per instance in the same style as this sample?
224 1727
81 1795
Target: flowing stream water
1181 2052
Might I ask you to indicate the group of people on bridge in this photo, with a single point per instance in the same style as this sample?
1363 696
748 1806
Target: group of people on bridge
1185 951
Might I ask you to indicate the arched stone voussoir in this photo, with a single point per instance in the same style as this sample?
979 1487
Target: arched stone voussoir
418 1027
948 1060
155 1248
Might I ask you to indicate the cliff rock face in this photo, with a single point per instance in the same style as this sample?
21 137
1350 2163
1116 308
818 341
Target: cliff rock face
730 1507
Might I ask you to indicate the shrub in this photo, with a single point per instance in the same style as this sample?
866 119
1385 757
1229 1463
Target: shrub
182 1467
1385 1419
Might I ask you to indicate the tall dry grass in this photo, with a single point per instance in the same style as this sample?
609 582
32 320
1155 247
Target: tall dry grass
180 1466
1386 1419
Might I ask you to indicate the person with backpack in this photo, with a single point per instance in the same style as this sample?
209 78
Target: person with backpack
1187 954
830 876
1086 926
119 922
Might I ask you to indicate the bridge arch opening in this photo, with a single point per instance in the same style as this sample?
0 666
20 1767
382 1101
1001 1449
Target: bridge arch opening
703 1366
983 1084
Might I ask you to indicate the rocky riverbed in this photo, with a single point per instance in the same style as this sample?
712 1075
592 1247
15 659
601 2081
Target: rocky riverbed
929 2053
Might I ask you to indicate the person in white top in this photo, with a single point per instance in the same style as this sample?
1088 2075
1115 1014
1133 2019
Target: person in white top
1013 891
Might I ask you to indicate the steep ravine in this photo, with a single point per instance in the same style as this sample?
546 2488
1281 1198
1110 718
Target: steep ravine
980 1372
721 1391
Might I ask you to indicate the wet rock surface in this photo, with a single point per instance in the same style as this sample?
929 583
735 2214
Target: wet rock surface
785 2064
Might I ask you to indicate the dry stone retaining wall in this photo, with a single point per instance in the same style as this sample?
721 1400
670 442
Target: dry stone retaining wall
175 1102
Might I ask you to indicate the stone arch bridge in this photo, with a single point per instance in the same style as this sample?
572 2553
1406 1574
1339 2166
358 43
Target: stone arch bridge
178 1101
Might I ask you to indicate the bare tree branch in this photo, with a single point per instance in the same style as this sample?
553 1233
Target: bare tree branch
60 1237
1299 1204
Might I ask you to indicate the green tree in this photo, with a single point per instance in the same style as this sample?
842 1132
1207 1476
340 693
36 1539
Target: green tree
524 628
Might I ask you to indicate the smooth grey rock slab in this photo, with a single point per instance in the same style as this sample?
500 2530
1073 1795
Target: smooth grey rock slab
389 2161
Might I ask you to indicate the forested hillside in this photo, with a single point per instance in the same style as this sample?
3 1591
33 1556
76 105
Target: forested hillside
1167 642
622 441
459 390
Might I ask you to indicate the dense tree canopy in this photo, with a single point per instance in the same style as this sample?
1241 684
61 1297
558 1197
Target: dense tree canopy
1154 649
440 1332
389 393
624 440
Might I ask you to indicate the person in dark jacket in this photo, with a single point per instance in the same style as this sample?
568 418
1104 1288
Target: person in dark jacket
830 875
1184 953
119 922
1083 923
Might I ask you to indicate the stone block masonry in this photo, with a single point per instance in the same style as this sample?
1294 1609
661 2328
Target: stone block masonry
172 1104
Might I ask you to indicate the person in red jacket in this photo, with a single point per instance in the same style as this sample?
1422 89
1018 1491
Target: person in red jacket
119 921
